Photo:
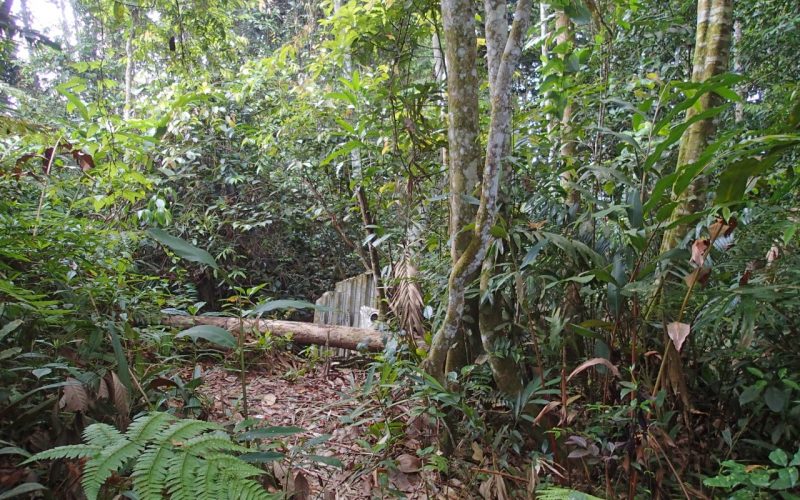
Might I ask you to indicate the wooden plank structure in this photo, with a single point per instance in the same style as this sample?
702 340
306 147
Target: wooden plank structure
351 303
344 323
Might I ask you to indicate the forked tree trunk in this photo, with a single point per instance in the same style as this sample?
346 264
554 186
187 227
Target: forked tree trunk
461 44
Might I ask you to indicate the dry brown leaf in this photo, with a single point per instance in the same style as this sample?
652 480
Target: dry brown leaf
119 394
477 452
408 463
74 397
773 254
699 275
721 228
402 481
593 362
552 405
270 399
678 333
102 390
486 489
301 489
699 252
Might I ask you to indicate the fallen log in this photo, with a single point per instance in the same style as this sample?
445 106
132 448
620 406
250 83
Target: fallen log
344 337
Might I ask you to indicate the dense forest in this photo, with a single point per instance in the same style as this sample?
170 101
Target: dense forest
577 222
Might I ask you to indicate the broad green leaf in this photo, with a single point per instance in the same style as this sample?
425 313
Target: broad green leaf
22 489
274 305
183 248
9 327
269 433
332 461
262 457
750 394
213 334
733 180
76 102
776 399
336 153
779 457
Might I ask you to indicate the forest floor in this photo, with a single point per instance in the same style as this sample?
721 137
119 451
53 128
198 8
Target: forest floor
327 399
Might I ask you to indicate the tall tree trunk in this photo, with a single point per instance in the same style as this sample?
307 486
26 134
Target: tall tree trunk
738 110
463 130
711 54
507 373
566 35
129 66
464 154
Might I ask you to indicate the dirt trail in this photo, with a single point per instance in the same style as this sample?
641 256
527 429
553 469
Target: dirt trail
325 401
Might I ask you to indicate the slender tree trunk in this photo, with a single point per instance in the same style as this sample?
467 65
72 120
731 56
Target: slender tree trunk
738 110
129 66
507 373
543 30
458 19
711 54
363 203
566 35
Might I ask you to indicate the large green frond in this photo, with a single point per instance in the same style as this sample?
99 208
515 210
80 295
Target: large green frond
147 427
101 435
69 451
150 472
99 468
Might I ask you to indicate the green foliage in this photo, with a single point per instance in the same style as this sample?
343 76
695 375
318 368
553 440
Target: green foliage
165 456
738 480
555 493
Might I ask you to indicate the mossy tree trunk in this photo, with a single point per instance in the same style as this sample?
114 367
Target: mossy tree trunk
463 136
711 55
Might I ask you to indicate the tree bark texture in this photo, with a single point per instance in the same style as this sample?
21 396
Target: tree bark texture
711 55
567 178
343 337
463 130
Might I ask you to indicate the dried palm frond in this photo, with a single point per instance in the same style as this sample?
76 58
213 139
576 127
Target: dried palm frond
406 303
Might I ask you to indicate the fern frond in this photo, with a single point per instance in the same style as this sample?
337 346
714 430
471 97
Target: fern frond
216 441
69 451
147 427
208 477
233 467
102 435
150 472
100 467
181 471
183 430
247 489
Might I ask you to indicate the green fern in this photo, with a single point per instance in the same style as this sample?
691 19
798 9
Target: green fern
166 458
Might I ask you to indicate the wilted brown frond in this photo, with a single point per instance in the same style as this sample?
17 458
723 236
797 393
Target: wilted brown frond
406 301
